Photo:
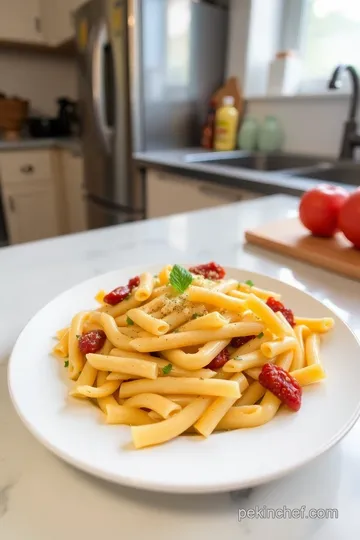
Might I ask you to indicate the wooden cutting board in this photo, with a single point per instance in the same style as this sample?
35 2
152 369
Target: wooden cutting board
289 237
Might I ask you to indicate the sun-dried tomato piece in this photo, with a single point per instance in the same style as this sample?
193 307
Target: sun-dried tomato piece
120 293
275 305
211 270
220 360
117 295
134 282
239 341
92 341
282 385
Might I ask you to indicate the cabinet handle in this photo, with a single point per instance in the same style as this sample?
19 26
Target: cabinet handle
11 203
27 169
37 23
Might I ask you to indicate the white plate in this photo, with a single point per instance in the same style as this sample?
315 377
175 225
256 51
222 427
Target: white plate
75 431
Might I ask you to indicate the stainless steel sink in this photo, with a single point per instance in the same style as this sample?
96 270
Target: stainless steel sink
256 161
342 173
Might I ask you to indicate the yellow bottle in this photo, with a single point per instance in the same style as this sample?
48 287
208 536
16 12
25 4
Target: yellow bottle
226 122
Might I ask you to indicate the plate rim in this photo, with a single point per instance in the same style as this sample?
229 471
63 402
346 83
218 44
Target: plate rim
172 488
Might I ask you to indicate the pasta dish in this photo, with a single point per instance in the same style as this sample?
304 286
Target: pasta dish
190 351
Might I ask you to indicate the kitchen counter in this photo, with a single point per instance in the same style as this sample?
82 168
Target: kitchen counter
265 182
42 498
68 143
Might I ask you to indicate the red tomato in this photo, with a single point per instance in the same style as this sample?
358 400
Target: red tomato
319 209
349 218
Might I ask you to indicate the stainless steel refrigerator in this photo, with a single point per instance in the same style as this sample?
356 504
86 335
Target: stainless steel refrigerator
147 69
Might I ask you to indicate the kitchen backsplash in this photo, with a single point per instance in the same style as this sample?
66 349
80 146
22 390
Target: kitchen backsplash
38 77
312 125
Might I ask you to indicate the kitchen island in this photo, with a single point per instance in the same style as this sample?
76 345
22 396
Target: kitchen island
42 498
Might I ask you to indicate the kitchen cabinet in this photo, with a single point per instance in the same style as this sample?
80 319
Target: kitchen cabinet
57 20
168 194
30 211
20 21
30 194
74 191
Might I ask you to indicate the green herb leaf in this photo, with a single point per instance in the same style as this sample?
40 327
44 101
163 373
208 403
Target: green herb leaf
166 369
66 363
129 321
180 278
249 282
260 335
196 315
78 336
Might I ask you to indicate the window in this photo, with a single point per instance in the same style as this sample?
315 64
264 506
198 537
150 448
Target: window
326 33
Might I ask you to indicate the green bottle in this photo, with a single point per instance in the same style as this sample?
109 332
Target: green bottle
271 135
248 134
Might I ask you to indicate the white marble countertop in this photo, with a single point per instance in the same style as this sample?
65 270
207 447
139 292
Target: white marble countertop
42 498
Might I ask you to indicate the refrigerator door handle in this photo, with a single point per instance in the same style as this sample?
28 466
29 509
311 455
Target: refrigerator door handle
98 84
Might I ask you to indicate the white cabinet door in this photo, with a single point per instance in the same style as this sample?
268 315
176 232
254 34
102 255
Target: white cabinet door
57 20
74 192
20 20
168 194
30 211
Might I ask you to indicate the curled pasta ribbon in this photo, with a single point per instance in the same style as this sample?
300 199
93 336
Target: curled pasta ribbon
198 360
105 390
159 404
104 401
172 427
218 408
317 325
119 414
113 334
76 359
195 337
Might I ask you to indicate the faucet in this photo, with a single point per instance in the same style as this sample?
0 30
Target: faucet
350 139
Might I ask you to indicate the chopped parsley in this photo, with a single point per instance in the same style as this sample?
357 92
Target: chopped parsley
166 369
260 335
129 321
249 282
196 315
66 363
78 336
180 278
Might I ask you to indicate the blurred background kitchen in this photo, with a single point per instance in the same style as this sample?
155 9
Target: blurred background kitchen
119 110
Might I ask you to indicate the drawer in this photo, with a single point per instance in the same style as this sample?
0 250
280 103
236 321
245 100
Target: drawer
18 166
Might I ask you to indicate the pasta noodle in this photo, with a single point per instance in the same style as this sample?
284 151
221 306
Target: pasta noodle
182 353
159 404
195 337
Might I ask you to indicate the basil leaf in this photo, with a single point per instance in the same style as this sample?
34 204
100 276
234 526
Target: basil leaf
129 321
166 369
180 278
249 282
260 335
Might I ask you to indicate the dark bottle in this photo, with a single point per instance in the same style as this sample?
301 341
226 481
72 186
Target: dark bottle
208 130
